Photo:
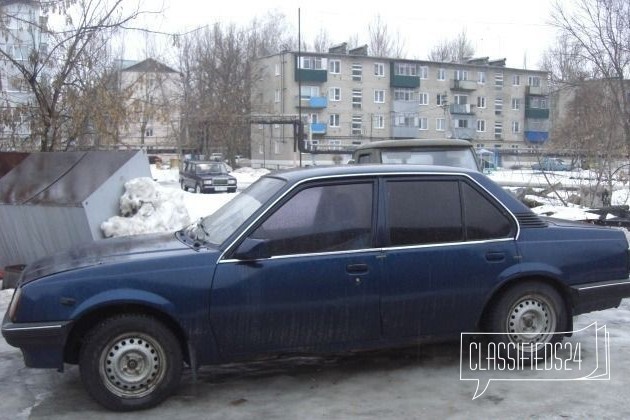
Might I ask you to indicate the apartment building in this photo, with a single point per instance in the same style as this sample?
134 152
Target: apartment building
153 90
23 31
346 98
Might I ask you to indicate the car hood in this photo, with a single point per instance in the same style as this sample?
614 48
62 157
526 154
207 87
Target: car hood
101 252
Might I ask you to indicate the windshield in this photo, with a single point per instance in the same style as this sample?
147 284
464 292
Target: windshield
204 168
217 227
461 158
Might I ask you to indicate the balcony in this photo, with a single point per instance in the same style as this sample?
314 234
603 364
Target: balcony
537 113
404 81
318 128
535 91
308 75
465 109
314 102
404 132
406 106
463 133
463 85
536 137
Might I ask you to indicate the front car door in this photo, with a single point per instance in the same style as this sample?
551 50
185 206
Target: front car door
449 244
319 289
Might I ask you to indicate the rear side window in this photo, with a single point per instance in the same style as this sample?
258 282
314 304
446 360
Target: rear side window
483 219
424 212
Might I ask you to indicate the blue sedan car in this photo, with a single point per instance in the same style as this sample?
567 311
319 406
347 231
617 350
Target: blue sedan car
317 260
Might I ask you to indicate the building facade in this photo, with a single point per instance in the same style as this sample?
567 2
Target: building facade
348 98
153 90
23 30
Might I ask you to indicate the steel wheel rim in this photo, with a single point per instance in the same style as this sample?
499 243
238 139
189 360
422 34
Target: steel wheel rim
531 320
132 365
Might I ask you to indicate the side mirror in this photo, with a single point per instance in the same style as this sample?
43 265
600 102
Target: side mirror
253 249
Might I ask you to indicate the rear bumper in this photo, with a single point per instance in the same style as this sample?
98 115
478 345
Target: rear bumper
597 296
42 343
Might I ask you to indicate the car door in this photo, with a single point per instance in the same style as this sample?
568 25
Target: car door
449 243
320 287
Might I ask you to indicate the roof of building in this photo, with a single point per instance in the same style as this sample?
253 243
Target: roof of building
149 65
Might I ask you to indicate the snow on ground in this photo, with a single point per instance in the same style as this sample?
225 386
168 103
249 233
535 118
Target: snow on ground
159 205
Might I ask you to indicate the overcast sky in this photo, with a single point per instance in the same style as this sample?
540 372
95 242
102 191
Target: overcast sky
517 31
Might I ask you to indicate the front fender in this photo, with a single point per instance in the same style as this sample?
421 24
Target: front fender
123 296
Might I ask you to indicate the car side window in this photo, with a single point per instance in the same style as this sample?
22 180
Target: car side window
484 220
364 158
424 212
321 219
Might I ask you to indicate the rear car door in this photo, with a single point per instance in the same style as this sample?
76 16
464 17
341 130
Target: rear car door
448 243
319 289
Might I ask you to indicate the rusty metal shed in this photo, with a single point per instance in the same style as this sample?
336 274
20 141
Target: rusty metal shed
52 201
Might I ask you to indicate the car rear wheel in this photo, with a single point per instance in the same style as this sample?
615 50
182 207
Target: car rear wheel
198 189
528 315
130 362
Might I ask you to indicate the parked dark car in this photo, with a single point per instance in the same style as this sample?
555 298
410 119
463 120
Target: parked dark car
201 177
444 152
319 260
551 164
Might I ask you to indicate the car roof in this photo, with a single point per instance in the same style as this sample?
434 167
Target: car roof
386 144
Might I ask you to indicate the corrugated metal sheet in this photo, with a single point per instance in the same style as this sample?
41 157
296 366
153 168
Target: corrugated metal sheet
53 201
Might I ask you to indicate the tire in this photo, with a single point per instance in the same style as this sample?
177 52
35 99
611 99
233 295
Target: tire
197 189
113 362
527 315
183 184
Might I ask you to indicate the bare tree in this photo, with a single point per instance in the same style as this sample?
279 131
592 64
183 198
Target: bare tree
68 41
456 50
382 42
321 42
600 31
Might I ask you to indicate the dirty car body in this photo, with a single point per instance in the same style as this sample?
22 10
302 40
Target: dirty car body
317 260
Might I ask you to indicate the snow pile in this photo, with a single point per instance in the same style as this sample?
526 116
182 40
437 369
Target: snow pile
147 207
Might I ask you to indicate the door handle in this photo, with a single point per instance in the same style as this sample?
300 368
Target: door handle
356 268
495 256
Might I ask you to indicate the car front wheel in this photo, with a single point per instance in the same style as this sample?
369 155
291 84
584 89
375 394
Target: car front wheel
528 317
183 184
130 362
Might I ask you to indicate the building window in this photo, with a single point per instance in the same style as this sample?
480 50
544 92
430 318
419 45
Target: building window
379 69
440 124
312 63
481 77
498 130
406 120
533 81
516 127
516 104
379 96
334 94
441 99
357 123
403 94
308 92
481 101
148 132
357 97
457 123
481 126
423 123
405 69
424 72
357 72
277 70
498 106
536 102
334 66
333 120
379 122
460 75
313 118
460 99
277 95
441 74
498 80
516 80
423 97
